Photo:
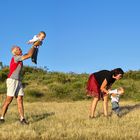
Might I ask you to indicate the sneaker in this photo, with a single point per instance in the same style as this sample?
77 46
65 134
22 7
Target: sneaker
2 120
24 122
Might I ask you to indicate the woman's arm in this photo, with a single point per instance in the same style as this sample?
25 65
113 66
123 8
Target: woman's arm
103 87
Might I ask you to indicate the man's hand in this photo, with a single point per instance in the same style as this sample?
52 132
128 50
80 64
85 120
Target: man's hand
37 43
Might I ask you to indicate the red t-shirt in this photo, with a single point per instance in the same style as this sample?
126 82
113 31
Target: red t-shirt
16 65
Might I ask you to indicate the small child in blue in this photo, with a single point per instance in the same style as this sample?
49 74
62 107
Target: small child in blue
115 97
37 38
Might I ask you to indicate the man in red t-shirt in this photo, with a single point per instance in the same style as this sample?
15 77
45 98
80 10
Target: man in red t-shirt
14 85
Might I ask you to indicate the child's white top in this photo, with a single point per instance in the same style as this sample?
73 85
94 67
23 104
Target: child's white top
34 39
115 98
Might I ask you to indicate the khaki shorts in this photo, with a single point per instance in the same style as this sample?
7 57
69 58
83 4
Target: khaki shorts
14 87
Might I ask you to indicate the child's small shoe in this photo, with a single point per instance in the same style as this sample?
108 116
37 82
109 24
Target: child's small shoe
119 115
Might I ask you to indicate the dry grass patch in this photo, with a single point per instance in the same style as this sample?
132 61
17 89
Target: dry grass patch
69 121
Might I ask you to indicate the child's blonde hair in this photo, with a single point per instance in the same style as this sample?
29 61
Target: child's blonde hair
121 90
42 32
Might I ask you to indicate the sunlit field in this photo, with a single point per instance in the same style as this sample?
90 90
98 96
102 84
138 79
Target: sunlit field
69 121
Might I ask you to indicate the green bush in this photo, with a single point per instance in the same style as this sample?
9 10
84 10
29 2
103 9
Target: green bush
47 86
3 74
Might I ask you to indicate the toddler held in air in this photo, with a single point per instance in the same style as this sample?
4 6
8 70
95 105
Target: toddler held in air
37 41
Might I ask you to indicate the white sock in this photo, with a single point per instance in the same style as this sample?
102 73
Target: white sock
21 118
1 118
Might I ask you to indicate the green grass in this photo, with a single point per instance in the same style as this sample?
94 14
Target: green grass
69 121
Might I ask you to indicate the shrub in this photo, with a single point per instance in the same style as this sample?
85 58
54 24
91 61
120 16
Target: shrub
3 74
45 86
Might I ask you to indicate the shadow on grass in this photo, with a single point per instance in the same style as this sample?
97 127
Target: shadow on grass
36 118
126 109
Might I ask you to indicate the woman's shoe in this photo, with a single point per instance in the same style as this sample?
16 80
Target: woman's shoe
91 117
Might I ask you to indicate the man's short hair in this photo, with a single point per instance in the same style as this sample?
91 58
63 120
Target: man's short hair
14 49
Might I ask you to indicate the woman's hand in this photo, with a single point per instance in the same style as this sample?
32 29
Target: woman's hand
114 95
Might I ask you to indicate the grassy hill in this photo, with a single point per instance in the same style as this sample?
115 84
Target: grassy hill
40 85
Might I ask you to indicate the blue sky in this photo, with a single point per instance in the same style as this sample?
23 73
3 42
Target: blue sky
82 35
